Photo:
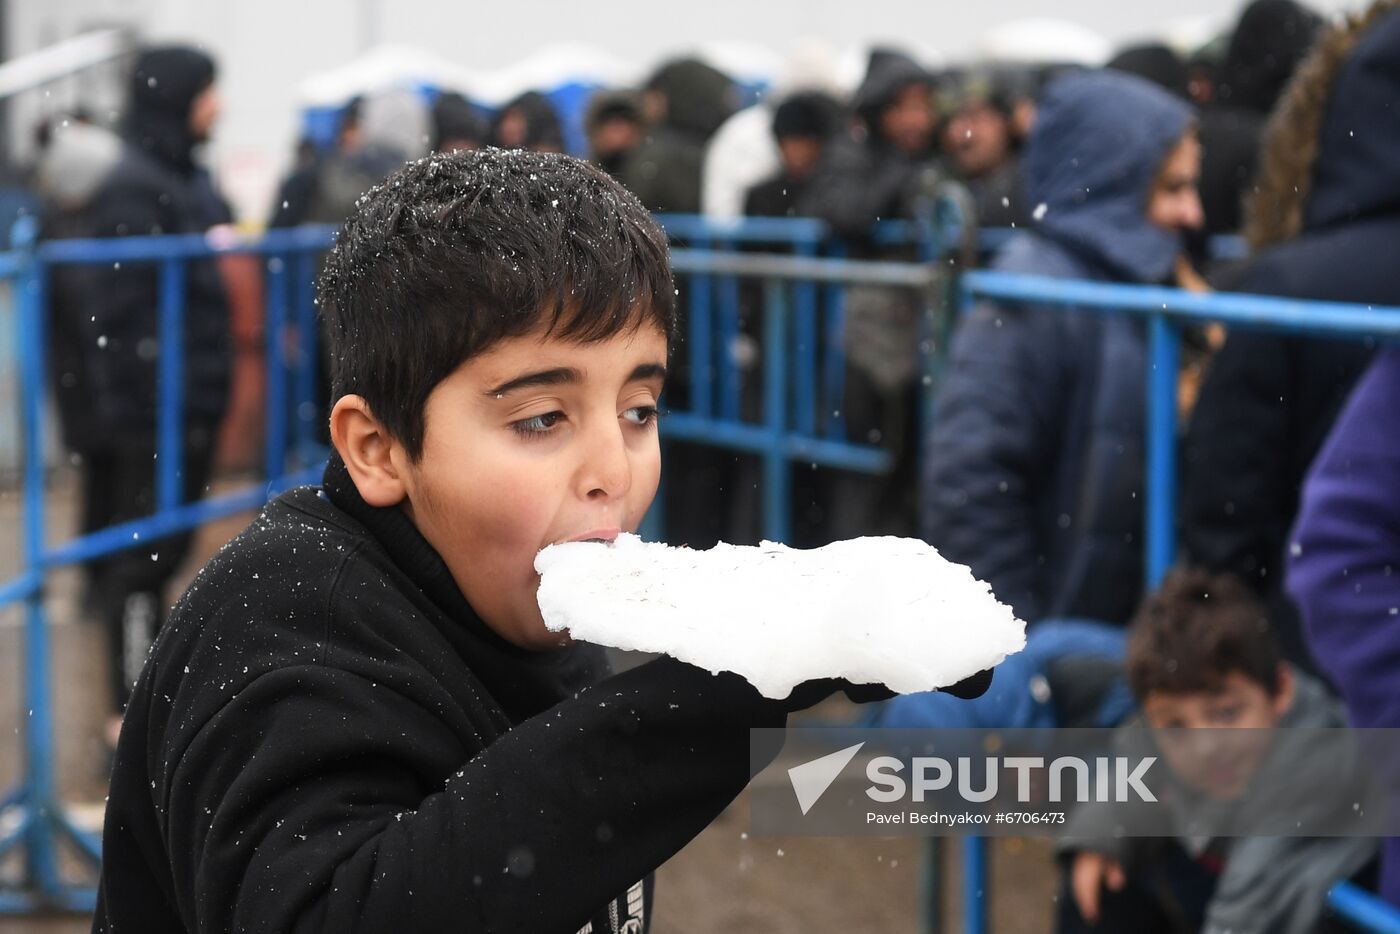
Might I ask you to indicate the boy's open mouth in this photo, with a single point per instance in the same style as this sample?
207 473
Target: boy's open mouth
604 536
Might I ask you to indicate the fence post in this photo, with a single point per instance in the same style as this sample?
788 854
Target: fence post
701 333
777 473
975 887
804 296
170 385
931 887
1163 348
729 378
276 460
834 354
41 855
308 356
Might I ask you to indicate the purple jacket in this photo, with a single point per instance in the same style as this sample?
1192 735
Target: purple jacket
1345 565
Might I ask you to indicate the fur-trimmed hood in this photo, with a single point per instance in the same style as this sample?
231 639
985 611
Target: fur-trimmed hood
1330 151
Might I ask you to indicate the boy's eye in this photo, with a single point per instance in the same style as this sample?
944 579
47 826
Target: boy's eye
1227 714
537 424
642 414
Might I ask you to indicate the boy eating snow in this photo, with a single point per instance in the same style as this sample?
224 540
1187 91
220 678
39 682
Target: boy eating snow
355 718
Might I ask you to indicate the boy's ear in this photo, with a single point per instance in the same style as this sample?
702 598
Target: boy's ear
375 460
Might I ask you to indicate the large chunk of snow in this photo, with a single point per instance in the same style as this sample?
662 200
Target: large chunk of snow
886 610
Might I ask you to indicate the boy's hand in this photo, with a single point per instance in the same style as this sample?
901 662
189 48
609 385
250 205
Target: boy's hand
1091 873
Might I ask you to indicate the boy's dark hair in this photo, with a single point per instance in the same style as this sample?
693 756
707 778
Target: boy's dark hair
1194 631
456 252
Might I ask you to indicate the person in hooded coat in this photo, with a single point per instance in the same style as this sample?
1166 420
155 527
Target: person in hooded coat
685 101
457 124
873 172
395 126
1033 470
882 168
154 187
1270 40
528 122
1324 224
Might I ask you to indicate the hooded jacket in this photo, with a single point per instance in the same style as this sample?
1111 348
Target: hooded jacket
1268 43
154 187
863 178
664 172
1033 469
1269 400
542 127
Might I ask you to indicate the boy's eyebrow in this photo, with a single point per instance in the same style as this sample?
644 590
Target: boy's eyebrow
648 371
567 374
554 377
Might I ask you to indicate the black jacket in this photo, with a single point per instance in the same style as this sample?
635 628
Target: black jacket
1269 400
111 311
327 738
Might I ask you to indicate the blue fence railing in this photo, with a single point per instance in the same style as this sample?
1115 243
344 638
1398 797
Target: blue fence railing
35 818
798 387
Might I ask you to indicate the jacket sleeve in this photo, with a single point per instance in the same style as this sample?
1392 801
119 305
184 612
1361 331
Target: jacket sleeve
990 447
1235 504
278 821
1346 546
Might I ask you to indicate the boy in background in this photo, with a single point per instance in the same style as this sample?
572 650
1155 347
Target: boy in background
1200 657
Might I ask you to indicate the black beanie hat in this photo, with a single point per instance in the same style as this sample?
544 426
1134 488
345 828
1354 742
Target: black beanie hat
810 114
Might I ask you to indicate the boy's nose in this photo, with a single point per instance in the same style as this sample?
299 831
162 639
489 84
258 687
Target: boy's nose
607 471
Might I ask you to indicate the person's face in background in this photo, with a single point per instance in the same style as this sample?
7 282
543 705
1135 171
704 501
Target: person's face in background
1175 201
978 138
1215 741
615 137
799 155
512 130
204 113
907 123
348 140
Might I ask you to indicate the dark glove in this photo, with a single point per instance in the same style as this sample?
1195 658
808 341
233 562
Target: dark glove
974 686
810 693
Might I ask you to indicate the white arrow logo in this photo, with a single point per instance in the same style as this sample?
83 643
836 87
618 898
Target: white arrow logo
810 780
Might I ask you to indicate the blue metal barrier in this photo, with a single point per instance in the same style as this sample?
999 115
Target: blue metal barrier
40 818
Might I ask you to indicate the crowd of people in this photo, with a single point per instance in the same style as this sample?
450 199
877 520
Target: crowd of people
1284 131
